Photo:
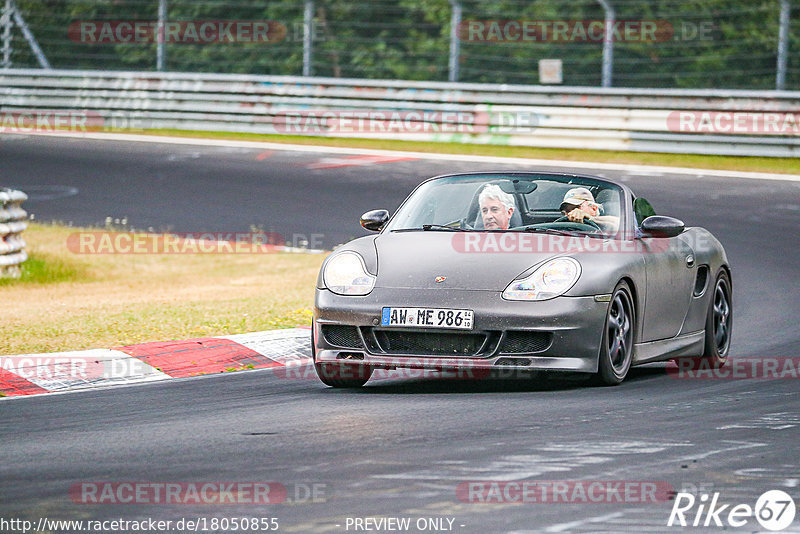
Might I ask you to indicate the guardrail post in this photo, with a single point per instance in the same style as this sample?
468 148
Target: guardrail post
608 42
5 26
455 42
161 45
12 223
783 45
308 35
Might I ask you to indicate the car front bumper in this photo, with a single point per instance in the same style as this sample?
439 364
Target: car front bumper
573 326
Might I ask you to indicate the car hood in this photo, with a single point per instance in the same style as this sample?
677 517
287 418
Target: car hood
415 260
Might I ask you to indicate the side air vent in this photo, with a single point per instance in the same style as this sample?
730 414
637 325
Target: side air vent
701 281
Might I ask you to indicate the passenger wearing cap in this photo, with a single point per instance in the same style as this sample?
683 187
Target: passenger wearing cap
579 204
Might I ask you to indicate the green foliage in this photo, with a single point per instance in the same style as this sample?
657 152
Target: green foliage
714 43
43 269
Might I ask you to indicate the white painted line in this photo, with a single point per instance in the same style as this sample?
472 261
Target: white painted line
425 155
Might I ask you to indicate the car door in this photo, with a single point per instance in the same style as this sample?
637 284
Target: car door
670 274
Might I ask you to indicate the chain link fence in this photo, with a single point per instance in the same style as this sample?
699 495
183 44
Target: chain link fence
744 44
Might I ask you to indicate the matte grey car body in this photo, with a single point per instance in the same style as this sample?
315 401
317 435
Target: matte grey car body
673 293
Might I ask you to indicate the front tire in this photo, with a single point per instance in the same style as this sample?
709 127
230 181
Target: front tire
719 323
616 350
342 375
339 375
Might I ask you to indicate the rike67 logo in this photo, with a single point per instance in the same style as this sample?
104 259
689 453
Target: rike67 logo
774 510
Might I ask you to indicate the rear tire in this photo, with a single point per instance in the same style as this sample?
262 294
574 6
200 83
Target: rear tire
616 349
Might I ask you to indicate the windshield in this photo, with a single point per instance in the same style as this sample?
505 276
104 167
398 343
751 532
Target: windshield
513 202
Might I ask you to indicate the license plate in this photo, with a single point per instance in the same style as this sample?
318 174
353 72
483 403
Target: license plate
427 318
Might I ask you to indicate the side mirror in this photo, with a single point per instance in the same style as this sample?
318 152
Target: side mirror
374 220
661 226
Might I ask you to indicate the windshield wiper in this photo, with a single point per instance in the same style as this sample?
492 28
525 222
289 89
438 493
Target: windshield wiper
441 227
554 231
432 228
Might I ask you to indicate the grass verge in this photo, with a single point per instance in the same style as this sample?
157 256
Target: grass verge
730 163
67 301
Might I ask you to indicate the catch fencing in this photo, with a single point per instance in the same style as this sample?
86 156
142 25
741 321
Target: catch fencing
738 44
701 121
12 224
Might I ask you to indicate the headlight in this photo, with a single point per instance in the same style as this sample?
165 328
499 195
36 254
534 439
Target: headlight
552 279
345 274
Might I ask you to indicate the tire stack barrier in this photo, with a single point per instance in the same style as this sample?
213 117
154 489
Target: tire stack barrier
12 224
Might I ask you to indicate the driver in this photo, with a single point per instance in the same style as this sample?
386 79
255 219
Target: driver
497 206
579 204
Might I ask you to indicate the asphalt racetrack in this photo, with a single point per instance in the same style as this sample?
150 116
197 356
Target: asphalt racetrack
400 448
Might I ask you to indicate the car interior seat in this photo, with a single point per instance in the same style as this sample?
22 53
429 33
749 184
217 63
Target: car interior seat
609 200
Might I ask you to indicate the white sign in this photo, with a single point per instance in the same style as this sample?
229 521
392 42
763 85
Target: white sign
550 71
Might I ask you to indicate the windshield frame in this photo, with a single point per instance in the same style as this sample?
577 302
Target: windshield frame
623 231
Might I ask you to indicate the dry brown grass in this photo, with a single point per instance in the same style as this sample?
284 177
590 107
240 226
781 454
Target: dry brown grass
112 300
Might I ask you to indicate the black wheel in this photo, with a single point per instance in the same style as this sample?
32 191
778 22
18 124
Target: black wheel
342 375
719 322
616 351
339 375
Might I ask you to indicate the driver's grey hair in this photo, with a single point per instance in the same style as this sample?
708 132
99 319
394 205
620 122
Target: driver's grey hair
494 191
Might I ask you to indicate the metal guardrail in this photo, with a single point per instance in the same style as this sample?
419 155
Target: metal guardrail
12 224
518 115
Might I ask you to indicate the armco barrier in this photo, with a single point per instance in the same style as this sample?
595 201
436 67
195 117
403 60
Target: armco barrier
12 223
758 123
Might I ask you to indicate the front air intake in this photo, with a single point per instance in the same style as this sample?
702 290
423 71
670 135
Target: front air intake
342 336
349 356
513 362
523 342
429 343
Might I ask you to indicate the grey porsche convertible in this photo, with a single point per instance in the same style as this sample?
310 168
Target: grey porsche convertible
530 271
